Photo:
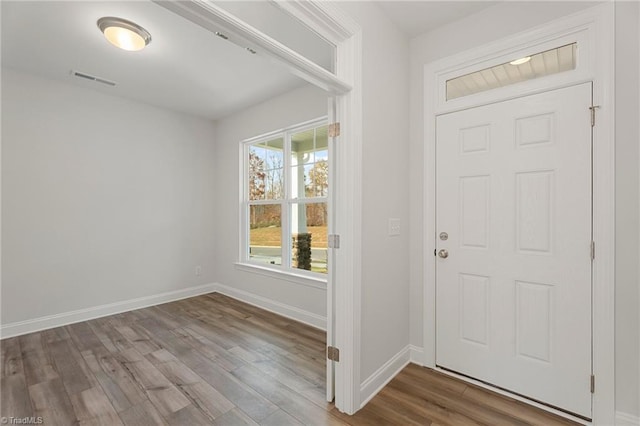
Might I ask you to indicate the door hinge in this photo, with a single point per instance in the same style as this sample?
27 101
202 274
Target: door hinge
593 384
593 250
334 241
334 130
593 108
333 354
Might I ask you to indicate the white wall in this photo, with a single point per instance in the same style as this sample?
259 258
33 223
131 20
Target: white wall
498 22
103 199
385 191
289 109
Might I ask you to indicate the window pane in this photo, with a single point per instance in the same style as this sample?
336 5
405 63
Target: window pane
266 170
310 163
309 237
539 65
265 233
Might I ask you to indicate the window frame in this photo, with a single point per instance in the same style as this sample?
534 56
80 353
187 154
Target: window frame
286 202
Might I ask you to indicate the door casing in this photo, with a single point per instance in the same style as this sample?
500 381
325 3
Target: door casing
593 30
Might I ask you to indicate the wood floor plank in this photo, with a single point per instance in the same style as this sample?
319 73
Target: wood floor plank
287 376
37 362
102 333
280 418
164 396
73 371
453 402
526 413
213 360
235 417
284 397
203 396
143 414
54 335
209 349
108 335
189 415
15 400
425 408
366 416
83 336
51 402
92 407
11 357
114 392
138 339
240 394
119 385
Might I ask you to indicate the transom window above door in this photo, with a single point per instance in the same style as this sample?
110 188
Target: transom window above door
552 61
285 199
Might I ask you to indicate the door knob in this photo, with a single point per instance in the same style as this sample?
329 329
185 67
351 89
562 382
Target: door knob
443 253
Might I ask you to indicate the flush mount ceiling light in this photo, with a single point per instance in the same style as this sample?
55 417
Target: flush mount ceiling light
521 61
124 34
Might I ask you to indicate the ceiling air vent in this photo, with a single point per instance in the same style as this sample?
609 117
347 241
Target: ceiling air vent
92 78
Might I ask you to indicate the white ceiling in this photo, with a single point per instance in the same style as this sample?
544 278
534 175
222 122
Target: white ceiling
184 68
420 16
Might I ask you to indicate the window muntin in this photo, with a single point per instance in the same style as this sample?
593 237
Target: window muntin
542 64
286 189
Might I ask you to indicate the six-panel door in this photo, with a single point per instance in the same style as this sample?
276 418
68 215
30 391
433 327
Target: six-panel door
514 294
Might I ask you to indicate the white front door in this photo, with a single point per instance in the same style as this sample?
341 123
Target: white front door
513 295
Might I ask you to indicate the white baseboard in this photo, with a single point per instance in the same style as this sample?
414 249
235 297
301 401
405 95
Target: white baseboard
625 419
416 355
274 306
383 375
66 318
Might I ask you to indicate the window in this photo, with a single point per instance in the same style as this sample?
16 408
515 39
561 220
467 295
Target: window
285 199
541 64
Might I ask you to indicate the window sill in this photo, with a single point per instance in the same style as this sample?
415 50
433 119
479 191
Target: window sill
301 279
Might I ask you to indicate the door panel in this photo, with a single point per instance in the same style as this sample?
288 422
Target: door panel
514 295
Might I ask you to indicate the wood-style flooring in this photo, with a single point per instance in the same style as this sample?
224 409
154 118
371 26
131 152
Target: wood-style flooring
212 360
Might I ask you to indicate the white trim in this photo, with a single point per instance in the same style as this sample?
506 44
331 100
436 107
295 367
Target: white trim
290 276
384 375
86 314
596 26
331 22
276 307
626 419
604 190
316 18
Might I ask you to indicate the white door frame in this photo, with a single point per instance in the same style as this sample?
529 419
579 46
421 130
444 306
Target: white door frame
345 85
593 29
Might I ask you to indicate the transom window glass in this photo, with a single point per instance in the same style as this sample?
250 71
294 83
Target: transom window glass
541 64
286 191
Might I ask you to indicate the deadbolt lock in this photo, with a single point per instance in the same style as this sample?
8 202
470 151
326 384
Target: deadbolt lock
444 236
